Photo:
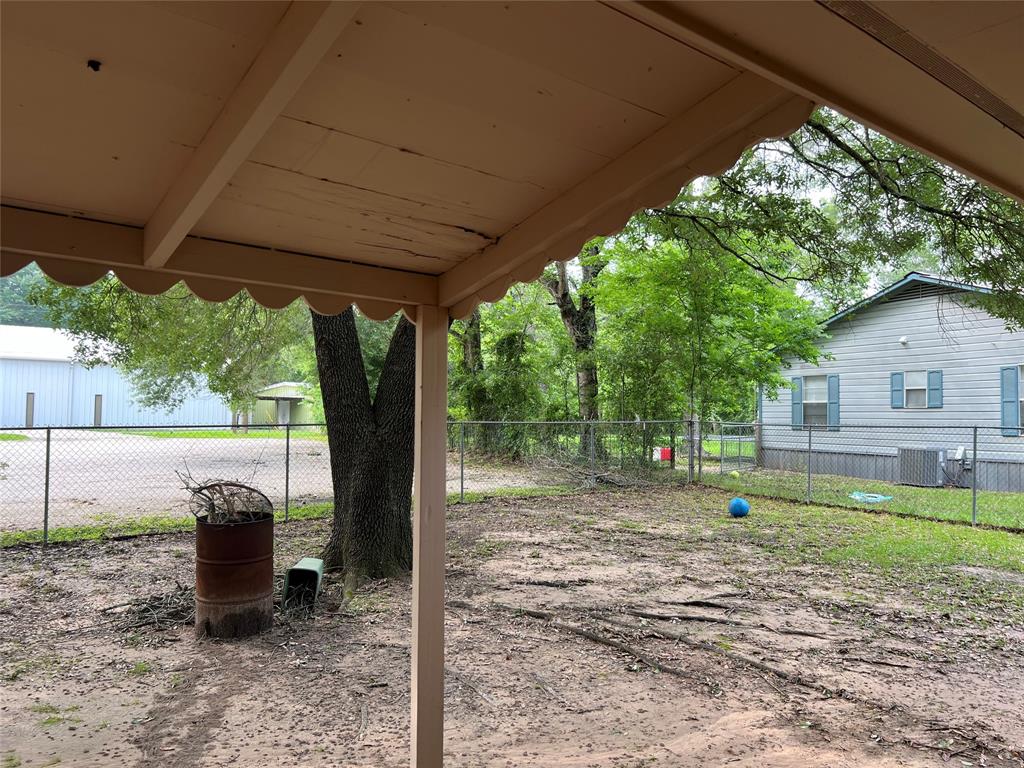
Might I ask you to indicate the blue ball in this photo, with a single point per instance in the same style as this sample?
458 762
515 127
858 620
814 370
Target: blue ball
739 507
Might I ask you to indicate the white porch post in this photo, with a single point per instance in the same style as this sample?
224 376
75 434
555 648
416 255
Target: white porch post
427 722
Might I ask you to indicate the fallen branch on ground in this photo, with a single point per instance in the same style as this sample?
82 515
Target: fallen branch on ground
717 620
161 611
472 686
790 677
611 642
706 602
556 583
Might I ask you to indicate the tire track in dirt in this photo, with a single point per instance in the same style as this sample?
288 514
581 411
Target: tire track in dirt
184 719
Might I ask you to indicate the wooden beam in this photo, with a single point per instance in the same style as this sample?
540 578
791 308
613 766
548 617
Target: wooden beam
427 720
113 246
298 43
602 202
735 36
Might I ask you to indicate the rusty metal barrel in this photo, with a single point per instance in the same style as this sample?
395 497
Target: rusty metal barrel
234 578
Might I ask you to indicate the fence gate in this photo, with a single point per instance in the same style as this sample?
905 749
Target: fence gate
736 448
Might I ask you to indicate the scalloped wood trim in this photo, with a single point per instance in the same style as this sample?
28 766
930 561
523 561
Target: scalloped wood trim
80 273
79 252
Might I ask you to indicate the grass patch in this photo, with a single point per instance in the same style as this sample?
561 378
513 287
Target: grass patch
994 508
733 448
12 436
472 497
224 433
55 715
140 669
631 525
809 534
109 527
489 547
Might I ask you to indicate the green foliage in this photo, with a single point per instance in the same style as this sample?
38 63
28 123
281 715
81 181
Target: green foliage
510 379
690 329
374 339
173 343
898 205
15 306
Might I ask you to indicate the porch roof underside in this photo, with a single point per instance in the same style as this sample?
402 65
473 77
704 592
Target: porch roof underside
395 154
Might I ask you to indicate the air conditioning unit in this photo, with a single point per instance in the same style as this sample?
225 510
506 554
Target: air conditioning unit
922 466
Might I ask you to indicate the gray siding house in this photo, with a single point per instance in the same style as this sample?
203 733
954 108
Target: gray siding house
911 371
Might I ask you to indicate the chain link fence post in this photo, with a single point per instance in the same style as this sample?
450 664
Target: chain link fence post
671 447
593 455
721 447
46 493
974 477
462 461
810 432
287 466
689 450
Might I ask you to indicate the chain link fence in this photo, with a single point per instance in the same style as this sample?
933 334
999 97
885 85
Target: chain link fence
72 483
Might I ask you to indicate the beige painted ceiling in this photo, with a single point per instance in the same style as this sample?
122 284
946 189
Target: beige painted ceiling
396 154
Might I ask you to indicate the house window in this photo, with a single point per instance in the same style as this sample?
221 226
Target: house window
916 389
815 401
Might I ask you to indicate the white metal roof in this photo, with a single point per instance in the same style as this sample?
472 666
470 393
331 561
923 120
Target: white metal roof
22 342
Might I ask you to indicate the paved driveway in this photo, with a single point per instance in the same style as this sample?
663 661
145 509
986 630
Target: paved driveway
98 475
95 474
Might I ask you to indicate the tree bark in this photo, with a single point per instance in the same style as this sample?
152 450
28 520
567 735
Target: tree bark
371 447
581 324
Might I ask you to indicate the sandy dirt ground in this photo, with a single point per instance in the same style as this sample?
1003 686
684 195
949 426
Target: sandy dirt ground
98 476
822 665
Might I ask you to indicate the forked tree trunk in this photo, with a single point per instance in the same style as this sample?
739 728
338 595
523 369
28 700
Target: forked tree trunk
580 321
371 446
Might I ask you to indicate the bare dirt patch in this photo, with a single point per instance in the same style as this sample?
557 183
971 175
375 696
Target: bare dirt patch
793 659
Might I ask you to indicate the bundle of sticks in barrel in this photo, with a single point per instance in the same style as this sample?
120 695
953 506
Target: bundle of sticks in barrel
226 501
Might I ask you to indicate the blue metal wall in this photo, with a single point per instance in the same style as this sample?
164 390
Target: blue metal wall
65 396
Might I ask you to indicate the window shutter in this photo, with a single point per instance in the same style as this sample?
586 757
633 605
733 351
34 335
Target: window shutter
1008 396
832 414
934 389
798 402
896 390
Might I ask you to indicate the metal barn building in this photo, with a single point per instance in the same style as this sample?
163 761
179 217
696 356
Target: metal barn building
42 386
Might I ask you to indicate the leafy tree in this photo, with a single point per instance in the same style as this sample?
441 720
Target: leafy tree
169 344
579 315
173 343
704 331
15 306
836 202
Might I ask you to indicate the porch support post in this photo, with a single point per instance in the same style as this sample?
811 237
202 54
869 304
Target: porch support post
427 694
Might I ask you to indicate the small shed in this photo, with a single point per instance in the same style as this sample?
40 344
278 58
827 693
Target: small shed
283 403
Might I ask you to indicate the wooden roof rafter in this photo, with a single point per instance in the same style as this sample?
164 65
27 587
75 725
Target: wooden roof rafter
294 50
